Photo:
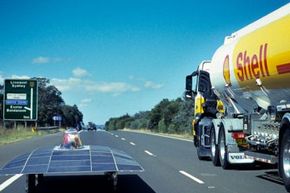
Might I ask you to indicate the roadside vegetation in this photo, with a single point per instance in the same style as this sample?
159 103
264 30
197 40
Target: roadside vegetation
168 116
21 133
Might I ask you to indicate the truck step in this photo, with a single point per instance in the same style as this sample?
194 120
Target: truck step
270 159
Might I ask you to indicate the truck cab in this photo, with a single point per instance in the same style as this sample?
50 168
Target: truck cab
198 88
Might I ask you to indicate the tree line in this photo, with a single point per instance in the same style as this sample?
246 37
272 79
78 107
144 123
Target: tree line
168 116
51 103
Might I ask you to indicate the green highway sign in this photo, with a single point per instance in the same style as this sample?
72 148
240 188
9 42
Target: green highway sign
20 100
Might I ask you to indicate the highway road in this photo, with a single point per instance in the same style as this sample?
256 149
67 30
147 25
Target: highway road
171 166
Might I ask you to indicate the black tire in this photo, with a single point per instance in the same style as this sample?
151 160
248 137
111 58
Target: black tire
39 179
200 154
284 159
214 151
223 150
30 183
112 178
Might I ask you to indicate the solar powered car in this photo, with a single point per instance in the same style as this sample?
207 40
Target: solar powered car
71 158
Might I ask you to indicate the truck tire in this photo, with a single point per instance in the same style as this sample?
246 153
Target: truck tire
284 159
200 154
214 149
222 148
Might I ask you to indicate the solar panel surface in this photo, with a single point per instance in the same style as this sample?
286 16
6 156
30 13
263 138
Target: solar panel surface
88 159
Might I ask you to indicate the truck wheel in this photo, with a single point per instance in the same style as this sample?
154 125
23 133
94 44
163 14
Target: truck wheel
284 159
214 149
199 153
223 152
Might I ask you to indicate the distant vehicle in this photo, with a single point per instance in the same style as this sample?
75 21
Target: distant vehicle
92 126
71 158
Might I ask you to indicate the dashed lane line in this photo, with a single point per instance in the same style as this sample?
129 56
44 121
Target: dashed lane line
9 181
132 143
123 139
149 153
191 177
116 135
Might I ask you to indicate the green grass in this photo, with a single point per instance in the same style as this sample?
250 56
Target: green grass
12 135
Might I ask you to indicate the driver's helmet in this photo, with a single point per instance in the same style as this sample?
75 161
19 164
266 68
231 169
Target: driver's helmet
71 139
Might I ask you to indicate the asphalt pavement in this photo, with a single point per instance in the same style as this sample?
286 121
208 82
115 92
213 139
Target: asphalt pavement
171 166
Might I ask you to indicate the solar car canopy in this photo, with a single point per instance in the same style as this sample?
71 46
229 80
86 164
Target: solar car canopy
86 160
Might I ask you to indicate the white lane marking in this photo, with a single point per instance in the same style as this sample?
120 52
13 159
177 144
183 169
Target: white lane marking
123 139
211 187
9 181
116 135
149 153
160 135
110 132
191 177
132 143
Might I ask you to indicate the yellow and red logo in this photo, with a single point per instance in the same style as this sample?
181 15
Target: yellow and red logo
264 54
226 71
252 67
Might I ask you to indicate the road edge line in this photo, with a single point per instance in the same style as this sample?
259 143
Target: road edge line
9 181
159 135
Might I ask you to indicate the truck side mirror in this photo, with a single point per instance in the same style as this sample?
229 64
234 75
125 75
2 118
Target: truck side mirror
188 83
188 88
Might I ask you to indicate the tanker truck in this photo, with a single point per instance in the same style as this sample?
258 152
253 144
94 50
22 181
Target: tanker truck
242 97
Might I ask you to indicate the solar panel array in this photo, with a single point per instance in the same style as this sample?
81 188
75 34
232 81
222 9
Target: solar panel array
89 159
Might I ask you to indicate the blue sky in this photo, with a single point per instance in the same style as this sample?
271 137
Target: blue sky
113 57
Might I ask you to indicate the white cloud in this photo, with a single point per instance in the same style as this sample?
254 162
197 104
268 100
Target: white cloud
91 86
66 84
111 87
153 85
85 102
19 77
45 60
14 76
79 72
41 60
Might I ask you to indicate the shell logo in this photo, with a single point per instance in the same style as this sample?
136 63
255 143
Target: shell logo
226 71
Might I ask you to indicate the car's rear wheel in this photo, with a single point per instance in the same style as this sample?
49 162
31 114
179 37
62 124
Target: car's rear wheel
30 183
